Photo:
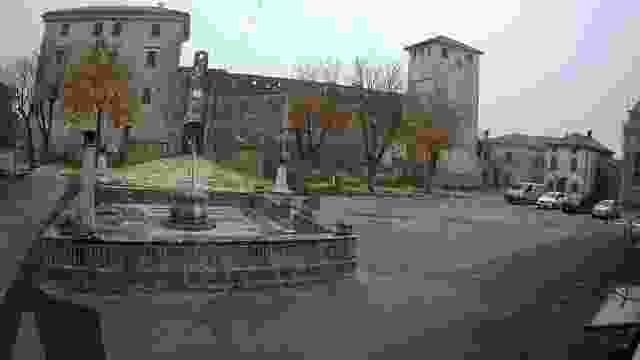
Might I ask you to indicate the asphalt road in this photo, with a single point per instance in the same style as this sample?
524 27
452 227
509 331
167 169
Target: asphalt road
454 279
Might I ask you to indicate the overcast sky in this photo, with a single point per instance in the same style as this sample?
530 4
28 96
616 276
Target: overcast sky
550 66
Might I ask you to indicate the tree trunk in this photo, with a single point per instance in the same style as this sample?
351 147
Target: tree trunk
30 145
98 135
427 177
44 132
124 147
371 174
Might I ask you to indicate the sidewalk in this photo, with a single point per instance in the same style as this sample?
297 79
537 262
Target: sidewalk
26 204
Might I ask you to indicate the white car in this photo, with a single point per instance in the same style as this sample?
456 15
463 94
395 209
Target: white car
550 200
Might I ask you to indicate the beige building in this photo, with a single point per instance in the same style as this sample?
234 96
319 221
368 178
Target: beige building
444 74
514 158
574 163
148 39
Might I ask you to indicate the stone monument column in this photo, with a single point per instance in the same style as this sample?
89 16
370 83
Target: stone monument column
88 179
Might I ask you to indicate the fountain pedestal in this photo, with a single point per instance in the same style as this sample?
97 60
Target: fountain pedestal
190 203
281 185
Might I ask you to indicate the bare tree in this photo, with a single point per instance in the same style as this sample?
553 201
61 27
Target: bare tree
328 70
310 139
23 73
386 78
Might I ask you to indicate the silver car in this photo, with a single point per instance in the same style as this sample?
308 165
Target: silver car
551 200
607 209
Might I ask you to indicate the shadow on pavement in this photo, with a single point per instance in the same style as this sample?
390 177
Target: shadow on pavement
66 330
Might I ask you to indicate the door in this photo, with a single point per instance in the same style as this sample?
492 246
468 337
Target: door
562 185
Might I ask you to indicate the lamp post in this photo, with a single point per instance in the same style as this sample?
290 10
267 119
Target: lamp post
53 96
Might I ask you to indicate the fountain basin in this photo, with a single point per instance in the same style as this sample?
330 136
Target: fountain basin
137 250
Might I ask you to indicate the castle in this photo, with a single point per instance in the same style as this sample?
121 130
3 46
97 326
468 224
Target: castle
443 75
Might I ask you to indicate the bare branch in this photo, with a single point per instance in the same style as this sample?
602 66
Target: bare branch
329 70
306 72
386 77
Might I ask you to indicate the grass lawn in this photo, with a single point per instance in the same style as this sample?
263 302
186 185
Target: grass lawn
162 175
237 175
354 184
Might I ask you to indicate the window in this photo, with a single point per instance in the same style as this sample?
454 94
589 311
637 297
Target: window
155 30
554 148
117 29
469 58
553 164
244 106
508 156
97 29
428 50
151 59
64 30
636 162
574 150
459 63
445 53
114 55
59 56
146 96
574 164
574 187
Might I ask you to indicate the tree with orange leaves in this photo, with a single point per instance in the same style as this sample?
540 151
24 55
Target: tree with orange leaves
97 85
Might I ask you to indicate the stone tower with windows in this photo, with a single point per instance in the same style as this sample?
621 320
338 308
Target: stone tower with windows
443 75
148 39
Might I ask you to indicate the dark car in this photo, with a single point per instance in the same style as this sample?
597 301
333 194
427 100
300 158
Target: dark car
578 204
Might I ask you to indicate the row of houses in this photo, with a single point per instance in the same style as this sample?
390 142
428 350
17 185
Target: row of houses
573 163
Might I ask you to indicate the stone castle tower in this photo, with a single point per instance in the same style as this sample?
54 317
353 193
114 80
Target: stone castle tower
443 76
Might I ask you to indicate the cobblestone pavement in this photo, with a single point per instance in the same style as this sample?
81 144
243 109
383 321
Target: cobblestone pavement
463 281
447 278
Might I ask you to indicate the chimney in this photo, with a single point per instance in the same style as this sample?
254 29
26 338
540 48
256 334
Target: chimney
589 132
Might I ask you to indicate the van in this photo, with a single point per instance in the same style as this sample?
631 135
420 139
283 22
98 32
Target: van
524 193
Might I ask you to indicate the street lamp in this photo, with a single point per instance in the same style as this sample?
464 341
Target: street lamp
52 97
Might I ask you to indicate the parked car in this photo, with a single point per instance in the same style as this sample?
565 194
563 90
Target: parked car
607 209
524 193
551 200
578 204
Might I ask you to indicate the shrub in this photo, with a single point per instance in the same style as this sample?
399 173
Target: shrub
142 152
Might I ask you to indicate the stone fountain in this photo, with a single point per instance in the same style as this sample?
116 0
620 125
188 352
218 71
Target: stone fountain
190 202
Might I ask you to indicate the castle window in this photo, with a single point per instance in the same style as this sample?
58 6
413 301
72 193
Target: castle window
553 164
429 50
60 56
146 96
445 53
64 30
574 164
117 29
155 30
97 29
469 58
151 59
